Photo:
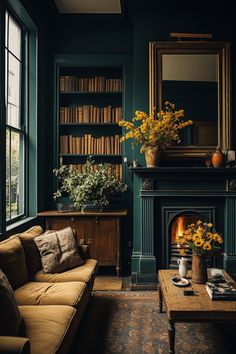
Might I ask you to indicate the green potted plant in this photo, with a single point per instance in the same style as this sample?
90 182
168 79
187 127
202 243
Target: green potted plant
92 187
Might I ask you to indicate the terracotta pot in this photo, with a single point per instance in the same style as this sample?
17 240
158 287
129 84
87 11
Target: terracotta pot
217 158
152 156
199 268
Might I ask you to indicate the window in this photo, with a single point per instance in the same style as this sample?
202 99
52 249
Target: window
15 101
18 117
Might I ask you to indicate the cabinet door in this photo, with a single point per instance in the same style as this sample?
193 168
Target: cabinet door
76 223
102 233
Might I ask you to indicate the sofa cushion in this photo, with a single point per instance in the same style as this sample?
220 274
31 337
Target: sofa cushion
58 251
32 255
39 293
50 329
12 261
10 317
84 273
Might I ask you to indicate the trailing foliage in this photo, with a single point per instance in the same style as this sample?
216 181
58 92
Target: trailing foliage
90 187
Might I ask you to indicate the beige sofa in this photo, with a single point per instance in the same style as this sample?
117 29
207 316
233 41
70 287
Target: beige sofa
51 305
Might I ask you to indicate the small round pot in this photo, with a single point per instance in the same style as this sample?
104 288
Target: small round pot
152 156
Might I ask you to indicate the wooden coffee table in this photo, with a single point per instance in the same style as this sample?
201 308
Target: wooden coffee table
196 308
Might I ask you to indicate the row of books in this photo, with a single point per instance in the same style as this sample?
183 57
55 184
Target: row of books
88 144
89 84
115 169
219 288
90 114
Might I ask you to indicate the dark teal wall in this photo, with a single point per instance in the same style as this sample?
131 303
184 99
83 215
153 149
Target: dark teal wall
143 21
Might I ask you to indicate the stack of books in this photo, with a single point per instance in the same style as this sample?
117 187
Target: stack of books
218 288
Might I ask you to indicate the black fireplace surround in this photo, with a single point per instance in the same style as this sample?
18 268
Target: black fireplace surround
160 195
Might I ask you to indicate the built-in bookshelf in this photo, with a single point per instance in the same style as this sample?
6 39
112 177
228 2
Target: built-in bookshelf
90 106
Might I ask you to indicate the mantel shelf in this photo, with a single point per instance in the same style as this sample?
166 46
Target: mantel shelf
185 173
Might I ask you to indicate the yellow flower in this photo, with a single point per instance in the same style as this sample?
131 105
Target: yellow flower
199 242
160 129
198 238
207 246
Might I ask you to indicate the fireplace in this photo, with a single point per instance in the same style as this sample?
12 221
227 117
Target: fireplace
175 221
166 199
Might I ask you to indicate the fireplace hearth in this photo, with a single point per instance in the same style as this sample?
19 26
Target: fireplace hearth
168 198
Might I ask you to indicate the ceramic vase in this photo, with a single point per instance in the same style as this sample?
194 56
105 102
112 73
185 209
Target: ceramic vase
183 267
217 158
199 268
152 156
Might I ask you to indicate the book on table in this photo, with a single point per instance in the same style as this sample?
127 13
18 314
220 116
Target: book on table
218 288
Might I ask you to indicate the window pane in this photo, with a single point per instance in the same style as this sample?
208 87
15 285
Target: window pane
14 175
12 115
14 38
14 89
6 75
8 175
6 32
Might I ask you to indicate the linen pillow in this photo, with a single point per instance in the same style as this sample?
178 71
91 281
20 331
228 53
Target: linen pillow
32 255
12 261
58 251
10 317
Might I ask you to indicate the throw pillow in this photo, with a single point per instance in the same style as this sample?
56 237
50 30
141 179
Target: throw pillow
58 251
10 317
12 261
32 255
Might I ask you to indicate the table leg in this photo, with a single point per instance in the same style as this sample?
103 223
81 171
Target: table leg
171 335
160 300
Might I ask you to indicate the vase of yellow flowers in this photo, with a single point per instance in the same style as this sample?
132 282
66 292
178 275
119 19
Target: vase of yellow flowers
155 132
203 240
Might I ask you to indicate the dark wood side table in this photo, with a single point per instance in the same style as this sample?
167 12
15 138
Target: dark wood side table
197 308
101 230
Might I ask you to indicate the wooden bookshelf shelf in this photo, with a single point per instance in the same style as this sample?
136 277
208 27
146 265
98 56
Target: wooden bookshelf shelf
106 93
95 155
90 124
89 108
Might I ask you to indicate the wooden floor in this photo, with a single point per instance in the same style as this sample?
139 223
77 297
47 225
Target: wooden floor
107 282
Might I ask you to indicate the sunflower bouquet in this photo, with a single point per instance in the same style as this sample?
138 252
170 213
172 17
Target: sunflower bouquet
201 238
159 130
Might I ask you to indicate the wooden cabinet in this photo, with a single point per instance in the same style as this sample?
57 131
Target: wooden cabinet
100 230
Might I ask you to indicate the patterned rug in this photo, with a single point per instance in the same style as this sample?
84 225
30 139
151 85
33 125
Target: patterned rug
128 322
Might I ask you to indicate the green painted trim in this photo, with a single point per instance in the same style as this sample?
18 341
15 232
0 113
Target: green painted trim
22 14
2 124
33 123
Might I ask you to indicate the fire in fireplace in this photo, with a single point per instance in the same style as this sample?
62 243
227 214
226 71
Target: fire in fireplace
180 224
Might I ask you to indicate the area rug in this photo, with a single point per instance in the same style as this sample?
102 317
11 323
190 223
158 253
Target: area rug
107 283
130 323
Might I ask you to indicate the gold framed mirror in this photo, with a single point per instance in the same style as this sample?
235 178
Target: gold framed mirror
196 77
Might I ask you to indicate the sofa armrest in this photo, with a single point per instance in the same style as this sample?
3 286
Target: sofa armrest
14 345
84 251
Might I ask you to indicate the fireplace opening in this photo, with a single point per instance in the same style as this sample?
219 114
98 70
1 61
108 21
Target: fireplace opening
178 225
